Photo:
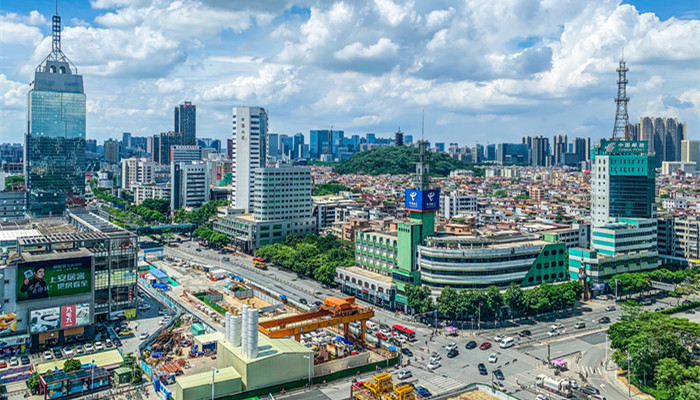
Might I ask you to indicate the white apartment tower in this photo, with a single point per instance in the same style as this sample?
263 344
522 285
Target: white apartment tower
249 149
137 170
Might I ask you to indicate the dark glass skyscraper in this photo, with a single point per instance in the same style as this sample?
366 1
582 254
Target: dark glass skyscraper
186 123
54 167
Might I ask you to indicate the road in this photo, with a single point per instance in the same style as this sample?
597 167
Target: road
584 349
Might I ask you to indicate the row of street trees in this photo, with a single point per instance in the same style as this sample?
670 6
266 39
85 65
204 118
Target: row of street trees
658 348
687 281
490 303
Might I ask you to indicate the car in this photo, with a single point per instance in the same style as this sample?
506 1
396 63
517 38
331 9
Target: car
79 349
485 346
542 397
382 336
658 308
89 348
14 362
604 320
25 360
68 351
470 345
318 303
3 364
452 353
161 322
646 302
451 346
580 325
57 353
303 301
553 333
556 327
499 374
407 352
143 335
498 338
595 397
435 357
433 365
421 391
404 374
126 332
610 308
482 369
493 358
108 343
198 249
162 312
98 346
48 356
524 333
117 342
573 383
401 339
589 389
144 307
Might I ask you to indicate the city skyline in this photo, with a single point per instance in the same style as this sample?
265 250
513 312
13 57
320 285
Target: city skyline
538 80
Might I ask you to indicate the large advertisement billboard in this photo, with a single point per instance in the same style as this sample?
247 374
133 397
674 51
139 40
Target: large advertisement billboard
8 322
54 278
422 200
75 315
45 320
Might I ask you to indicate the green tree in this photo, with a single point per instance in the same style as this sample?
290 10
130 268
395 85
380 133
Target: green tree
33 382
447 302
500 193
418 298
514 298
72 364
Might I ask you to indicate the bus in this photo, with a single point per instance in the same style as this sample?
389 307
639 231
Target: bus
259 263
398 330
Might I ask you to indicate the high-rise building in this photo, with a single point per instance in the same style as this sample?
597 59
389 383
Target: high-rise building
183 153
54 170
512 153
440 147
690 151
539 150
325 142
249 150
477 154
91 146
560 147
355 143
137 171
273 145
126 140
622 181
490 154
209 143
162 144
582 148
664 136
371 138
186 123
297 150
408 139
286 145
398 138
189 184
229 148
113 150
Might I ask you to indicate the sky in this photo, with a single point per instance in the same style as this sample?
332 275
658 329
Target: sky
483 71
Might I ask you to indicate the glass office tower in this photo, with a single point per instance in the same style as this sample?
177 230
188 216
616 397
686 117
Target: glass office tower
55 139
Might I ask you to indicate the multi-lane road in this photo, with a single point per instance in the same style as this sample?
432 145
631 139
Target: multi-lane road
583 349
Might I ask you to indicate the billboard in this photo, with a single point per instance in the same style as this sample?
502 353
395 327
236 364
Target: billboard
53 278
8 322
422 200
45 320
75 315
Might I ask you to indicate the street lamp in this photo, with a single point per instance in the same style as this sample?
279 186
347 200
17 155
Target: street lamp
213 371
629 385
310 358
616 280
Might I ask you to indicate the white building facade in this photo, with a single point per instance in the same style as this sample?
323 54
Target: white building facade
249 151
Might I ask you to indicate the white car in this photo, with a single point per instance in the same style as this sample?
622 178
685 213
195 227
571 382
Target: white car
553 333
451 346
493 358
573 383
498 338
541 397
143 336
48 356
98 346
88 347
68 352
405 374
14 362
556 327
401 339
434 365
435 357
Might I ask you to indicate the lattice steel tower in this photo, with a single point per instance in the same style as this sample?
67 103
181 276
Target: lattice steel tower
621 116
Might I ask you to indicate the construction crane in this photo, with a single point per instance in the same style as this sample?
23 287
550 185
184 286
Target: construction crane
332 312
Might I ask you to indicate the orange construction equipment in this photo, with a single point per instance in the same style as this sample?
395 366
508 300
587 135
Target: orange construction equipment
332 312
383 389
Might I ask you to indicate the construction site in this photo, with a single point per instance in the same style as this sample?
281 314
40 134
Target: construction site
254 339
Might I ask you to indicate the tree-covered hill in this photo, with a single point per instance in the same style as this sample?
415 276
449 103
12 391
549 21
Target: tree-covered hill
400 160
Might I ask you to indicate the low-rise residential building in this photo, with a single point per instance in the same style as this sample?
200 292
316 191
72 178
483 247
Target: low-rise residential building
455 204
150 191
13 205
189 183
678 239
575 236
137 171
672 167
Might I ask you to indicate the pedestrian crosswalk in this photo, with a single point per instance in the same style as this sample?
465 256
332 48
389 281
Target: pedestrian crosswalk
437 382
585 369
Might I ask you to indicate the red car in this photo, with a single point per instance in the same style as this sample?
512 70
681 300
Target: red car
382 336
485 346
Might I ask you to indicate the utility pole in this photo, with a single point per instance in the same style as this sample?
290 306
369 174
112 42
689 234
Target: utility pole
616 280
479 320
629 384
606 351
549 355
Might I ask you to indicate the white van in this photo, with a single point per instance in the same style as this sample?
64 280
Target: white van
507 342
371 325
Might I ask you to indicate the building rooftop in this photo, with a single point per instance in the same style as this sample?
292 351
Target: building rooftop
267 347
204 378
369 275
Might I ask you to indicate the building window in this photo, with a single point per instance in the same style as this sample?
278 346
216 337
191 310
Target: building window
373 287
353 280
367 285
529 279
546 276
539 266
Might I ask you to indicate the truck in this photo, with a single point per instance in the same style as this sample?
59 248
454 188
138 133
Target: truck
560 387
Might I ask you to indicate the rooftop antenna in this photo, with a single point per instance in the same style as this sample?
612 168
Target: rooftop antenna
621 115
422 128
